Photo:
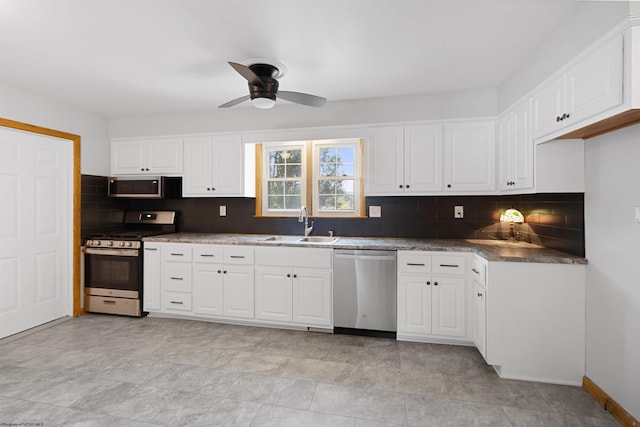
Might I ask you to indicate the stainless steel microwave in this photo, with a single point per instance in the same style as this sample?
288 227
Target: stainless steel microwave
146 187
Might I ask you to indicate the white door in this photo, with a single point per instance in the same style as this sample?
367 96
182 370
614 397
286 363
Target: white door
414 304
35 230
208 289
228 166
385 161
312 297
274 294
423 158
469 156
238 292
151 277
448 305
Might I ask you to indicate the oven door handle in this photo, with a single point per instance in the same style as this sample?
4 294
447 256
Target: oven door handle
117 252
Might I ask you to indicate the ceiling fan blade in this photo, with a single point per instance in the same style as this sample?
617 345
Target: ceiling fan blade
234 102
246 72
302 98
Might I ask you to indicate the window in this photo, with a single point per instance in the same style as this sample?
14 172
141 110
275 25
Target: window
332 188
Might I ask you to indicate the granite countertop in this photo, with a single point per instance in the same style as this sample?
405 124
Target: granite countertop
491 250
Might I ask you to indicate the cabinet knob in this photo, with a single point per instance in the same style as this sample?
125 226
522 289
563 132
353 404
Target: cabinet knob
295 276
224 271
407 186
213 189
219 271
435 283
208 189
479 295
567 116
448 185
288 275
558 118
428 283
142 169
400 185
147 169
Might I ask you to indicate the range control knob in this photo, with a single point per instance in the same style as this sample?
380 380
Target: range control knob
97 242
121 244
109 243
128 244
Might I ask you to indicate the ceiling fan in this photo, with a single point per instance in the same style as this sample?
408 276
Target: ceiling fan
263 87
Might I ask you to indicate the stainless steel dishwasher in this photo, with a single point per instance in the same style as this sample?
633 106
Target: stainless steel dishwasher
364 292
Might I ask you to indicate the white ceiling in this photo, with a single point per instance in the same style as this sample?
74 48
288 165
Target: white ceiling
118 57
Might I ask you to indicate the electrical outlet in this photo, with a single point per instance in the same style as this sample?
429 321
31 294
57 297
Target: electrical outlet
223 211
375 211
458 211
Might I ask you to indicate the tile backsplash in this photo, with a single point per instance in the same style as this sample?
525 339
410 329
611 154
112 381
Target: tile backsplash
553 220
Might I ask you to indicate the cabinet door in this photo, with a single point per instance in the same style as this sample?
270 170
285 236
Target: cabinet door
198 158
208 291
312 297
128 158
238 291
448 306
414 304
594 85
470 156
423 158
228 166
164 156
274 294
521 153
151 300
505 151
385 161
480 318
549 103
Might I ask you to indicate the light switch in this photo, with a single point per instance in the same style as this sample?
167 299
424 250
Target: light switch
375 211
223 211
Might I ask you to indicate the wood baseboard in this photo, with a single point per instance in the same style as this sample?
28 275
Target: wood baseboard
610 405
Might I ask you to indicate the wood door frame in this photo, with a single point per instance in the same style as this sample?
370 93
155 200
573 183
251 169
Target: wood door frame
76 238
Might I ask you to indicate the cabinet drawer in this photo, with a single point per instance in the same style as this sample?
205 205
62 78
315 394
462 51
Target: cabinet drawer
176 277
479 272
177 252
448 264
414 262
238 255
175 301
208 254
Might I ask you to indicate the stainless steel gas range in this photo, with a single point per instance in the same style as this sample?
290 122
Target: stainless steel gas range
113 263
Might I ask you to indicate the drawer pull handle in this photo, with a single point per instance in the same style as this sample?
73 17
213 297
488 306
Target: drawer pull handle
108 302
176 254
475 271
479 295
450 265
415 264
237 256
176 278
207 255
176 302
150 249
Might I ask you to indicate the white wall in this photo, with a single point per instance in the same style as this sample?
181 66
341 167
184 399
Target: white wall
26 107
473 103
613 273
591 20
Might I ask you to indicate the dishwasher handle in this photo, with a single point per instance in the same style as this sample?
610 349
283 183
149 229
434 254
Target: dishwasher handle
366 257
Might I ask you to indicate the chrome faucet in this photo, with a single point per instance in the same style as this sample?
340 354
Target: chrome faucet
304 217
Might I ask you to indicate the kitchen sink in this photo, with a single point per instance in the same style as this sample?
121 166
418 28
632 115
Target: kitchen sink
283 239
298 239
318 239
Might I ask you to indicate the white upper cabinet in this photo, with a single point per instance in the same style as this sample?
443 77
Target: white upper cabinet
385 161
469 156
146 157
214 166
404 160
591 86
515 148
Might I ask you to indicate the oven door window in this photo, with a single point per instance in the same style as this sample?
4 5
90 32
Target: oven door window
113 272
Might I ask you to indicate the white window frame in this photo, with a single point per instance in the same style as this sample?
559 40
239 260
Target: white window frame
353 143
280 146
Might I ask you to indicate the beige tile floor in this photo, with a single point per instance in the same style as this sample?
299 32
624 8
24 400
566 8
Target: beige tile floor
100 370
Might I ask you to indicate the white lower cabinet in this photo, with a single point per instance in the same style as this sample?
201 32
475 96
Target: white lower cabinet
223 281
479 303
287 286
294 285
535 321
152 264
431 297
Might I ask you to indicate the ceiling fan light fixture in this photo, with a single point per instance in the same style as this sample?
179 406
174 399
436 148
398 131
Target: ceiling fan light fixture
263 103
